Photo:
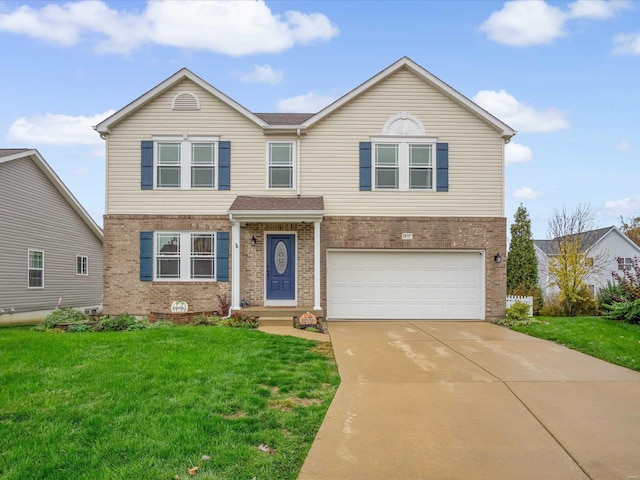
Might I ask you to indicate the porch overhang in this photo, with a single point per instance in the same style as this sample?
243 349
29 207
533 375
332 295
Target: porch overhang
298 209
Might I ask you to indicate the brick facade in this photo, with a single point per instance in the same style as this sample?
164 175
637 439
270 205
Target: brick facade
124 292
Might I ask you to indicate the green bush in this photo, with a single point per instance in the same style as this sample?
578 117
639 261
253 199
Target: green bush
80 328
613 292
586 305
553 307
517 314
63 315
161 324
117 324
535 292
627 311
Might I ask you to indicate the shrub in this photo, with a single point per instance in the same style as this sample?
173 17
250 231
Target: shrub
630 280
627 311
535 292
585 304
239 320
613 292
224 302
63 315
80 328
117 324
553 307
517 314
205 320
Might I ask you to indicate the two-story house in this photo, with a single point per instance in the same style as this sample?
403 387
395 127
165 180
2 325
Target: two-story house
607 251
387 204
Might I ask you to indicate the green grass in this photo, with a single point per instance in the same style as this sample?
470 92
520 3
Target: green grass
150 404
608 340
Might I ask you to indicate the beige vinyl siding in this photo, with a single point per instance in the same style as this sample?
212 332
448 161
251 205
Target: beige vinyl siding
329 155
34 215
215 118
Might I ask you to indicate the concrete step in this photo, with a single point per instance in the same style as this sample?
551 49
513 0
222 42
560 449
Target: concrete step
281 311
275 321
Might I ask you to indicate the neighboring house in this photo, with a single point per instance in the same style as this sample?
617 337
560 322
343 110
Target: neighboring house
50 248
387 204
608 250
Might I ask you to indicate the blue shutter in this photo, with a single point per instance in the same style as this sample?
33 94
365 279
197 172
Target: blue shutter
222 256
146 165
146 256
442 167
365 166
224 165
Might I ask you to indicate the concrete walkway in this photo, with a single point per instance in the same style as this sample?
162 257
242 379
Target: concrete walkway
472 400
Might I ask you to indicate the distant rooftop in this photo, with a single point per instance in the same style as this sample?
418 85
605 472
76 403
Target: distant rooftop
285 118
5 152
587 239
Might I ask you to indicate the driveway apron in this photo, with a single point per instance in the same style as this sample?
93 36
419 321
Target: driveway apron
473 400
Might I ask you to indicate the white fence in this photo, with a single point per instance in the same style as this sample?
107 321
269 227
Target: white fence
511 299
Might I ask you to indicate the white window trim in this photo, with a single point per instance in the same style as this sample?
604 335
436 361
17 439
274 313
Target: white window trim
293 164
404 169
185 141
29 267
86 264
185 256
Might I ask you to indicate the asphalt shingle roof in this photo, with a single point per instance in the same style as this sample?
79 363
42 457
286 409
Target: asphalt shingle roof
587 240
282 204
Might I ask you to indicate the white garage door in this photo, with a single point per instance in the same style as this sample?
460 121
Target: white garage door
405 285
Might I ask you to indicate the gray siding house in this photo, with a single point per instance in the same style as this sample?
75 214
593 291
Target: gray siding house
50 248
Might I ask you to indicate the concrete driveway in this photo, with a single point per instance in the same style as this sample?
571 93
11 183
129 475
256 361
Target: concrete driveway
472 400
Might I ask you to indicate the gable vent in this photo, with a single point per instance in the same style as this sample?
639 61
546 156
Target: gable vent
404 124
186 101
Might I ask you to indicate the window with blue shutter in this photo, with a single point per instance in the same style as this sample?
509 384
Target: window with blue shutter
442 167
146 165
146 256
222 256
365 166
224 165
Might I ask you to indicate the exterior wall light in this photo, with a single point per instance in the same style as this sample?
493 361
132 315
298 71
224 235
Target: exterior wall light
253 241
497 258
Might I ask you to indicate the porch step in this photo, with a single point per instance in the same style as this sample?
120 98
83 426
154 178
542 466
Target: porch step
275 321
281 311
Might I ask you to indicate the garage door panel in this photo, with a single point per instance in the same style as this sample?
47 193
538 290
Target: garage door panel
404 285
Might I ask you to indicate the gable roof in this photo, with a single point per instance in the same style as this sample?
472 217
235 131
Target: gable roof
282 121
405 62
16 154
587 239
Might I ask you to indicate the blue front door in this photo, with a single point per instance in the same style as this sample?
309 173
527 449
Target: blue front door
281 267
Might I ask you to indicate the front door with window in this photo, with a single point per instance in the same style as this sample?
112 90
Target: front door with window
281 268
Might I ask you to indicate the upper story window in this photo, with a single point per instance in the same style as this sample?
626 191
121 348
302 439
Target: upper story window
185 256
82 265
280 165
625 263
403 164
186 163
35 268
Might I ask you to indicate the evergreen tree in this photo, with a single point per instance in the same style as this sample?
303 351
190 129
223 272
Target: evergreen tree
522 266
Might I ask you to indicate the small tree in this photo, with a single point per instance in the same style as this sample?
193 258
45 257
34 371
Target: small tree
573 259
522 266
631 228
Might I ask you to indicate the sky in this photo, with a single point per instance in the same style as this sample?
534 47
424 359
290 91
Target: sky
564 74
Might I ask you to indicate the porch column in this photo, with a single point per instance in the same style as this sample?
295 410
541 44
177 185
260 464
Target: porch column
235 266
316 265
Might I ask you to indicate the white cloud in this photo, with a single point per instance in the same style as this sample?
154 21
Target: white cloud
231 28
517 153
523 23
597 9
527 193
56 129
624 207
624 145
262 74
306 103
519 115
627 44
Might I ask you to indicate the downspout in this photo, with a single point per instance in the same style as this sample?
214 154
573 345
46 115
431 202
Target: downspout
298 161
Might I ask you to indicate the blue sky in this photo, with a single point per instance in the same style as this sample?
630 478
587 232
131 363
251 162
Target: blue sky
566 75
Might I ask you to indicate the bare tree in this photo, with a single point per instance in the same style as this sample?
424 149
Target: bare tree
574 256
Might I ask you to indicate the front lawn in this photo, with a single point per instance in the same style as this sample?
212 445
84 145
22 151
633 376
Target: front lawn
609 340
153 404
